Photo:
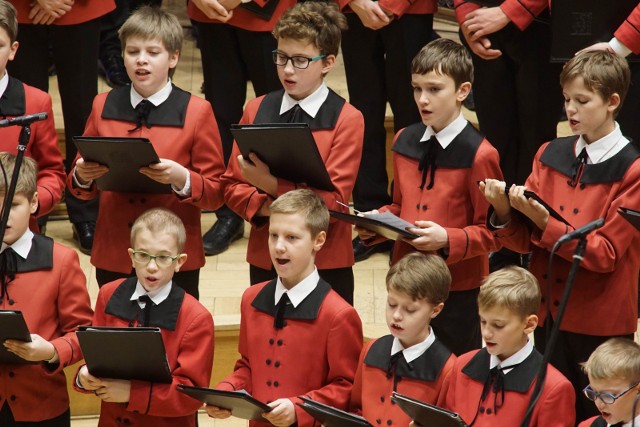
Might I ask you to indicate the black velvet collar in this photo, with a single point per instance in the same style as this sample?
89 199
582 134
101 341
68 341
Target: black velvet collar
327 117
427 367
600 422
560 156
307 310
13 101
519 379
40 255
163 315
458 155
172 112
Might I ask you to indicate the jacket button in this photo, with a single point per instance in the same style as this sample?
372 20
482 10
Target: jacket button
389 422
488 411
561 207
378 421
269 383
582 186
279 342
424 207
130 224
277 364
127 421
118 420
268 361
11 302
276 383
382 399
481 409
13 398
575 210
11 375
271 341
556 303
418 206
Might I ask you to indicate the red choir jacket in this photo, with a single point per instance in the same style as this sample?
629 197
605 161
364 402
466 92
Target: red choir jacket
597 421
555 408
338 130
454 202
401 7
246 19
314 355
18 100
520 12
50 290
183 129
81 11
187 332
629 32
376 378
608 274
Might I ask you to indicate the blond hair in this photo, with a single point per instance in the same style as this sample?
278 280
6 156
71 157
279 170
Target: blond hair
420 276
615 358
444 57
150 23
9 20
27 177
603 72
316 22
160 220
306 203
513 288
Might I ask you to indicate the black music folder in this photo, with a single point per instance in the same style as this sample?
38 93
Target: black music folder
12 327
124 157
425 414
125 353
239 402
385 224
265 12
329 416
630 215
576 24
288 148
552 212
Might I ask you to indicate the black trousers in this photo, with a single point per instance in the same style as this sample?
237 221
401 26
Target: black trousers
340 279
378 69
230 58
518 96
458 325
7 420
187 280
570 351
75 56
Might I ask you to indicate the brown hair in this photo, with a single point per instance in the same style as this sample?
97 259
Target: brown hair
160 220
27 176
444 57
603 72
306 203
317 22
513 288
9 20
421 276
615 358
153 23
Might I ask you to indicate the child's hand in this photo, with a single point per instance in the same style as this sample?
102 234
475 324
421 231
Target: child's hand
528 206
167 172
432 236
215 412
88 381
214 10
257 173
481 46
115 391
283 413
89 171
370 13
363 233
37 350
494 191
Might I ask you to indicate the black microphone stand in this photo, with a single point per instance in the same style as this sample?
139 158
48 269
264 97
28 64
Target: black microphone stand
578 255
23 141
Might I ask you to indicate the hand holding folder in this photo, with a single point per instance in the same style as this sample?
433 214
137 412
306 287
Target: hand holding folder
12 327
329 416
385 224
426 414
240 403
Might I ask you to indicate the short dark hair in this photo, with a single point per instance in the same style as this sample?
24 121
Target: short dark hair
9 20
306 203
421 276
444 57
27 176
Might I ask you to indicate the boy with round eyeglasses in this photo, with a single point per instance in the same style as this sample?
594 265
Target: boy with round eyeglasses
614 383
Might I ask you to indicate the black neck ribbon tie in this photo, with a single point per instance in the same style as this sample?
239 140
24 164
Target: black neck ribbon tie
146 311
142 110
428 162
281 307
294 115
578 167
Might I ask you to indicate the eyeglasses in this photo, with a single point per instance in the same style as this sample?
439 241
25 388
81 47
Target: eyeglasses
141 257
297 61
607 398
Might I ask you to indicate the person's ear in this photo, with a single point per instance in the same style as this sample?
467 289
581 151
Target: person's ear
437 309
319 240
463 91
130 250
33 204
182 258
614 102
173 59
327 64
13 49
530 324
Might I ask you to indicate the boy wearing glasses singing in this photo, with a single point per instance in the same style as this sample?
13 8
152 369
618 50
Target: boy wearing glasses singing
614 383
308 38
157 240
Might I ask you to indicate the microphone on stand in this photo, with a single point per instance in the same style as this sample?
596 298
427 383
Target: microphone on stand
23 120
579 233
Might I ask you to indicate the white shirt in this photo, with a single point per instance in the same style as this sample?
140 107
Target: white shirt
22 246
157 296
518 357
311 104
637 422
448 134
604 148
412 353
299 292
4 83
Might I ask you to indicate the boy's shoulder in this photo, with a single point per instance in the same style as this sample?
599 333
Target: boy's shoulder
19 99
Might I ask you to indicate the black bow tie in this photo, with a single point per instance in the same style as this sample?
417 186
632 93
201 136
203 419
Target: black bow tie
294 115
281 307
428 161
578 167
495 383
142 110
146 311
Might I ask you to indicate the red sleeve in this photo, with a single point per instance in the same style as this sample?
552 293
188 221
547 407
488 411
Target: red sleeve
193 367
629 32
400 7
520 12
91 129
344 345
